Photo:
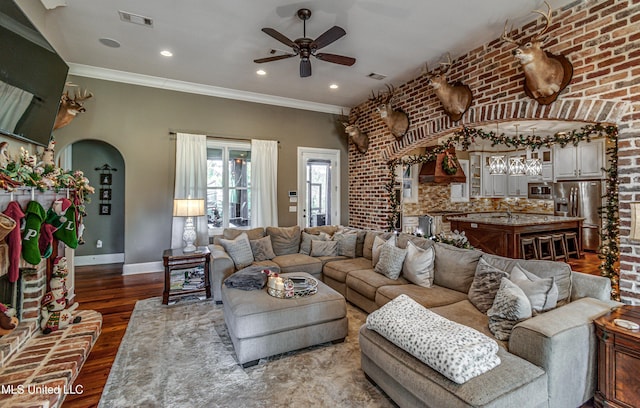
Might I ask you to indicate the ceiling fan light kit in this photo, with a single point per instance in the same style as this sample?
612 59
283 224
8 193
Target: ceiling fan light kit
307 47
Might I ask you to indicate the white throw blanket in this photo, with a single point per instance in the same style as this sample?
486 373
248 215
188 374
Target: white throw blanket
456 351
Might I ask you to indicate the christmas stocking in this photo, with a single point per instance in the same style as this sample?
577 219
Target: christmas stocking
33 221
45 240
63 216
14 240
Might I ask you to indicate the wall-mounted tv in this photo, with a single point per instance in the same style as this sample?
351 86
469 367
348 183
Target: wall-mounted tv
32 78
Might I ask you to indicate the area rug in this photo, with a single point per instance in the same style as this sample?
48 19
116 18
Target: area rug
181 356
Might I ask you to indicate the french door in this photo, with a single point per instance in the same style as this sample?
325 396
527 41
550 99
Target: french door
318 187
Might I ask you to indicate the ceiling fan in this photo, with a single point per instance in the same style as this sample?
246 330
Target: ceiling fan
306 47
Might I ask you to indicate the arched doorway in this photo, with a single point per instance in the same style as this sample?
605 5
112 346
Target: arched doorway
103 238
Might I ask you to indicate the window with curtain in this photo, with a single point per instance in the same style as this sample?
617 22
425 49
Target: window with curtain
228 185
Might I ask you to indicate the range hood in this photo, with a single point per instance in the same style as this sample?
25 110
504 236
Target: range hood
432 172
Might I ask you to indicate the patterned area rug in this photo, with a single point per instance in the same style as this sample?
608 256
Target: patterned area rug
181 356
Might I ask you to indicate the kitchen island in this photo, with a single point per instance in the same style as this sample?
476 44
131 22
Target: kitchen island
500 233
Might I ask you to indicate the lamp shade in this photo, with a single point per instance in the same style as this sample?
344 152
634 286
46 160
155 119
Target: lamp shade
188 207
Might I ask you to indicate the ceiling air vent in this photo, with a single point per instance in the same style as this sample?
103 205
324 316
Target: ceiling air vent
379 77
135 18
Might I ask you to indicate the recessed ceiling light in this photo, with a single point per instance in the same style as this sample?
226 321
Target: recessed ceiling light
333 86
166 53
261 72
109 42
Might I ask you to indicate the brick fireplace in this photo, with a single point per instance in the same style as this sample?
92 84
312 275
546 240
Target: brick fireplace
600 38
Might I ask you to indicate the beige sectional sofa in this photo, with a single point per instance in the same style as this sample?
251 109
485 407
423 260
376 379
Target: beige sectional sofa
549 360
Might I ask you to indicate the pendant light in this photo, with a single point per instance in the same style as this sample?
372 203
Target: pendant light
516 164
533 167
497 164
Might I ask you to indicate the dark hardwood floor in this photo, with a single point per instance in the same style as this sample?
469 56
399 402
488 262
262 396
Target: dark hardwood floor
104 289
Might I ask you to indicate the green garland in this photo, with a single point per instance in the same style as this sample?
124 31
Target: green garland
609 251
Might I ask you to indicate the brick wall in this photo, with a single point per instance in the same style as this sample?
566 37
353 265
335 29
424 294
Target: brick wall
602 41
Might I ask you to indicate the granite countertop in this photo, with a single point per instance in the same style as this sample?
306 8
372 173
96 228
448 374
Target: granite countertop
501 218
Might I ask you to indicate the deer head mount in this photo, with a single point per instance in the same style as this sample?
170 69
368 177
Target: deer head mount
545 74
455 97
70 107
357 136
396 120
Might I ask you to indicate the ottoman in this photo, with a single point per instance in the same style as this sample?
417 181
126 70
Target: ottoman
261 325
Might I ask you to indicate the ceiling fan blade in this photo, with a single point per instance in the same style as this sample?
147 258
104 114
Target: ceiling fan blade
328 37
274 58
336 59
280 37
305 68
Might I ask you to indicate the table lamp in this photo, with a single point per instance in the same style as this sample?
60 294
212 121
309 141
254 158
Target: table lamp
188 207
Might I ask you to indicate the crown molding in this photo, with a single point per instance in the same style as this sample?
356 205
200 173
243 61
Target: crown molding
200 89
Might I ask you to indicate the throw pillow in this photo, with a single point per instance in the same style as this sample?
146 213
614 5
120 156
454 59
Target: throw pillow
390 262
239 250
542 292
262 249
418 265
510 307
485 285
455 267
361 234
346 244
305 243
324 248
285 240
377 246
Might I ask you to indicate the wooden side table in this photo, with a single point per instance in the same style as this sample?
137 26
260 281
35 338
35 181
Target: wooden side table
618 360
176 259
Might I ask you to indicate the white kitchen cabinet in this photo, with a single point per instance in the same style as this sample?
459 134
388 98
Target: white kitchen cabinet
517 185
545 155
475 174
579 162
493 185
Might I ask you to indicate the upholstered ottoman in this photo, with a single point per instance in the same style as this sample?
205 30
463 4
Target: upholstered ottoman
261 325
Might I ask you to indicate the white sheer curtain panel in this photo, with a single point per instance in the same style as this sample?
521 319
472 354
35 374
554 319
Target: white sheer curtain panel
191 182
264 183
13 102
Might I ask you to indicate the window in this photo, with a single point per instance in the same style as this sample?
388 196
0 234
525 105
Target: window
228 185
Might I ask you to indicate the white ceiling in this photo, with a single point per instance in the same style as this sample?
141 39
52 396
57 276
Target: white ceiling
214 42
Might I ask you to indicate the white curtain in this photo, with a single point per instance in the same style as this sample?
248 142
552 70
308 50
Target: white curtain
264 183
13 102
191 182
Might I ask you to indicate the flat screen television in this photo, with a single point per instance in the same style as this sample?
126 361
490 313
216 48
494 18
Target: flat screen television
32 78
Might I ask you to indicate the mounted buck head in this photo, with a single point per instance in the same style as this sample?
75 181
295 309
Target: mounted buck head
545 74
357 136
396 120
70 107
455 98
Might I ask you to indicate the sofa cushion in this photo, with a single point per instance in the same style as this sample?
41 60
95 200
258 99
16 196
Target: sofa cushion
367 247
346 244
391 261
338 270
542 293
456 351
485 285
367 281
420 242
510 307
455 267
326 259
305 241
232 233
465 313
560 271
299 263
262 249
239 249
285 240
327 229
324 248
427 297
378 242
418 265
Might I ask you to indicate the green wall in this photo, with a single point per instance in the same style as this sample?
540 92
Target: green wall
136 121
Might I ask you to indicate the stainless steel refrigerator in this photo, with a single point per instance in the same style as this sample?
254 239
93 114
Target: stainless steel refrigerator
582 199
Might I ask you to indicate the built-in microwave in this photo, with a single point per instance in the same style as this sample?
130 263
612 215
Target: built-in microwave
541 191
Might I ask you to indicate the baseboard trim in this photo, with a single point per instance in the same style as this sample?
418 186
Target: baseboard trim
144 267
103 259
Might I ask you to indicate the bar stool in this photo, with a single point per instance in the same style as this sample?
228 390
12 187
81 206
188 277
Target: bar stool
559 247
545 247
571 243
528 248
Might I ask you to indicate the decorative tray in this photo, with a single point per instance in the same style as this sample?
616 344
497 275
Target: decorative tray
295 287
